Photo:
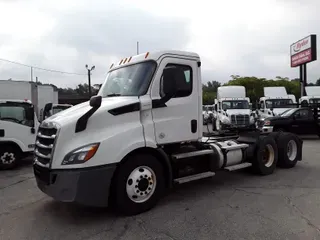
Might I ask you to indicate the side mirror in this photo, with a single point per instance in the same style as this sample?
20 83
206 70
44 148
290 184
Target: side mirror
224 108
33 131
168 83
271 109
216 107
95 101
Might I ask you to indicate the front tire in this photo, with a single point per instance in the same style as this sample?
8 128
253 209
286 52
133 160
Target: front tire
139 184
9 157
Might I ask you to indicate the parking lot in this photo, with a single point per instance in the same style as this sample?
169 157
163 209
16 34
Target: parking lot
236 205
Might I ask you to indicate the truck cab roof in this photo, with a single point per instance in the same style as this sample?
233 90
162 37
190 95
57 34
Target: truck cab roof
153 56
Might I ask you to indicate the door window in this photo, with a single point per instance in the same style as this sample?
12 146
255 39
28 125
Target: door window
183 80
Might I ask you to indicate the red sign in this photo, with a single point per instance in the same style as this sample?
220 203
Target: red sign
301 57
303 51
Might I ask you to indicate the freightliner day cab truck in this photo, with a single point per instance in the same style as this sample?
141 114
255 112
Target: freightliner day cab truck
141 135
276 100
232 109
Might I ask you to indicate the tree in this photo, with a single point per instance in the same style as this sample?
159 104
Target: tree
318 82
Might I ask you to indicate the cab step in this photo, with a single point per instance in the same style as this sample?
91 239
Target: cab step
194 177
238 166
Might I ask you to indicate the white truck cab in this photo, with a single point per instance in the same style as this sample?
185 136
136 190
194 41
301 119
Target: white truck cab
232 109
140 135
18 125
312 97
276 100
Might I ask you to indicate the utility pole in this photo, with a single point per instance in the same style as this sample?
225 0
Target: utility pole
89 77
137 48
31 74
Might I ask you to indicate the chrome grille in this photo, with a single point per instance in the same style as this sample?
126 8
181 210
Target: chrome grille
44 144
240 119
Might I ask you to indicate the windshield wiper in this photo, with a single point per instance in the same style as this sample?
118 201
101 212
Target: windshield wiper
114 95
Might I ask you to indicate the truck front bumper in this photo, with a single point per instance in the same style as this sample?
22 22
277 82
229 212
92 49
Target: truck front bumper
86 186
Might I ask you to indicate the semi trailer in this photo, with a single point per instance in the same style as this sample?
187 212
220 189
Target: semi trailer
141 135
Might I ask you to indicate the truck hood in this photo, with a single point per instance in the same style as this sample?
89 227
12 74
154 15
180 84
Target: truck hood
238 111
72 114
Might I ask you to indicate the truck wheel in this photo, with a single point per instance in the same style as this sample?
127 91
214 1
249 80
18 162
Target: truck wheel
289 150
9 157
266 156
139 184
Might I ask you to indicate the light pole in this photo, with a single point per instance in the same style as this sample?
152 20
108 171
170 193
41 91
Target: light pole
89 78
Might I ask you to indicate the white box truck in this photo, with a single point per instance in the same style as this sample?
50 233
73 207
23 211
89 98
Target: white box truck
141 135
232 109
18 121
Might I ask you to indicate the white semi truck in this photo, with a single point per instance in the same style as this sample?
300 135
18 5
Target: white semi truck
275 101
232 109
312 97
141 135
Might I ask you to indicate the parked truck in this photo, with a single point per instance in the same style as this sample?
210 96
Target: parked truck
232 109
312 97
275 101
142 135
18 121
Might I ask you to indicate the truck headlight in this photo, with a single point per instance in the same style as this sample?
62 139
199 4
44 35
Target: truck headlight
81 155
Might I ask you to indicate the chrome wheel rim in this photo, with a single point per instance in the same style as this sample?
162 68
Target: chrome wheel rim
292 150
141 184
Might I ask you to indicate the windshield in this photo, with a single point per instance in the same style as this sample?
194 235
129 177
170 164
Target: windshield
15 112
131 80
279 103
59 109
288 112
235 104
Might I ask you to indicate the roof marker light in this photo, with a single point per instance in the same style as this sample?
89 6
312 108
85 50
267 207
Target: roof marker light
121 61
111 66
125 60
147 54
129 59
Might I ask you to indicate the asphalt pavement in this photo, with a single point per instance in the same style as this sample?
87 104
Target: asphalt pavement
237 205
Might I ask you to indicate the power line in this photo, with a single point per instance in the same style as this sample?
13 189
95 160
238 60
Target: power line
44 69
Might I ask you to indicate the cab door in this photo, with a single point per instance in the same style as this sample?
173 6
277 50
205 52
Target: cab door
303 122
177 119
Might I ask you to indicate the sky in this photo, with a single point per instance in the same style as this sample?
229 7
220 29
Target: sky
232 37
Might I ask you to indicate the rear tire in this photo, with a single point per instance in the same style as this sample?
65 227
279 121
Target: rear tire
139 184
9 157
265 156
289 150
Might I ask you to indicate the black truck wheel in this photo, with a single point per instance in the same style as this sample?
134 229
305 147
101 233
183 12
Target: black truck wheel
265 155
290 148
9 157
138 185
